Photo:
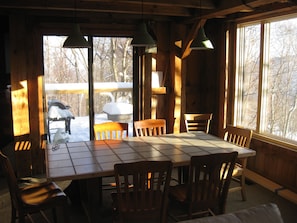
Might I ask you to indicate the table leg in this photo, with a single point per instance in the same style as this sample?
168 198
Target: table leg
88 194
91 197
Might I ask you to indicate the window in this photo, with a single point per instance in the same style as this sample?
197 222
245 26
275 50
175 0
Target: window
266 77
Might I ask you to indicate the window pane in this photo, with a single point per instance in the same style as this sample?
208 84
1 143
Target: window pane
113 66
279 108
246 98
113 80
66 87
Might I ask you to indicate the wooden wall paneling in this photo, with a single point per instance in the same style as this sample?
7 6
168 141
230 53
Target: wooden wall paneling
275 163
202 80
6 128
26 65
163 65
19 90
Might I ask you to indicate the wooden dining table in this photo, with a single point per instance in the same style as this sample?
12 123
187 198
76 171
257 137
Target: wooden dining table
89 161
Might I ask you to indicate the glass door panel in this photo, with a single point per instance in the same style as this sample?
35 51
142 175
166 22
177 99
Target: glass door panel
66 91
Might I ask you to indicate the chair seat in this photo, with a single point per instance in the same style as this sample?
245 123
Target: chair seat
34 198
44 194
237 170
178 192
139 204
205 191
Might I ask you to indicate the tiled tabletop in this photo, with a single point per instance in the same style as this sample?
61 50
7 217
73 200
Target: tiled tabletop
80 160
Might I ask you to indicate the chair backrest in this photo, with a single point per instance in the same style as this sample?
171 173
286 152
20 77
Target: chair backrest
147 198
209 181
110 130
150 127
11 180
239 136
198 122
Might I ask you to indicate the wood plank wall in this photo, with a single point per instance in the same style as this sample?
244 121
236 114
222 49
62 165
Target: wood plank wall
27 68
274 162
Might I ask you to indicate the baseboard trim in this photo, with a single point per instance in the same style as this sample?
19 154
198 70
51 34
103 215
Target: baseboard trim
272 186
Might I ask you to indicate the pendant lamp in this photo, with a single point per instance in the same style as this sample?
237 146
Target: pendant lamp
142 37
76 39
201 42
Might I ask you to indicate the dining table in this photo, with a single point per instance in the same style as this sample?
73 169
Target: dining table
88 161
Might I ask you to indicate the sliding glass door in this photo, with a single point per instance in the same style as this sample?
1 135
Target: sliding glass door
86 86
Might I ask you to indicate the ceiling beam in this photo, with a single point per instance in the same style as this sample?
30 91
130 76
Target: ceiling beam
204 4
229 7
186 50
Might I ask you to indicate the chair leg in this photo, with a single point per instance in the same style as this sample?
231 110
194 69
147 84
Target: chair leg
67 125
48 131
13 215
242 180
54 213
60 212
242 184
21 217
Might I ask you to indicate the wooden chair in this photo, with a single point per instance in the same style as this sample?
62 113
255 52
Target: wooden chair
198 122
241 137
206 191
147 200
110 130
32 199
194 122
150 127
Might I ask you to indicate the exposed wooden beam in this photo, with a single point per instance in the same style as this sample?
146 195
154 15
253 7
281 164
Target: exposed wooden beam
103 7
186 11
229 7
186 50
204 4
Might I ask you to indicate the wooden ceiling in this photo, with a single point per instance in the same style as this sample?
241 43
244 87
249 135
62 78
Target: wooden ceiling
127 11
119 17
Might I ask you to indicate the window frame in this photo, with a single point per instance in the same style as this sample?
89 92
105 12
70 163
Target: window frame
258 131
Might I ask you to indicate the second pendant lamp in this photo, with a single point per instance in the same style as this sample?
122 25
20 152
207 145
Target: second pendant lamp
76 39
201 42
142 37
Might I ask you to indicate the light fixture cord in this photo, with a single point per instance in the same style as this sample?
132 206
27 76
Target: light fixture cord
142 11
74 12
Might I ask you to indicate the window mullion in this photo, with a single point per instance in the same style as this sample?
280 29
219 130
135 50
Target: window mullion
263 69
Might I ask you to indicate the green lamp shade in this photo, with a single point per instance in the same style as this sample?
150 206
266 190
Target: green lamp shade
142 37
76 39
201 42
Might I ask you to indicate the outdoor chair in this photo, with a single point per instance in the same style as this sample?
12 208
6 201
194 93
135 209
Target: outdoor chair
150 127
206 191
35 198
57 111
240 137
198 122
147 200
